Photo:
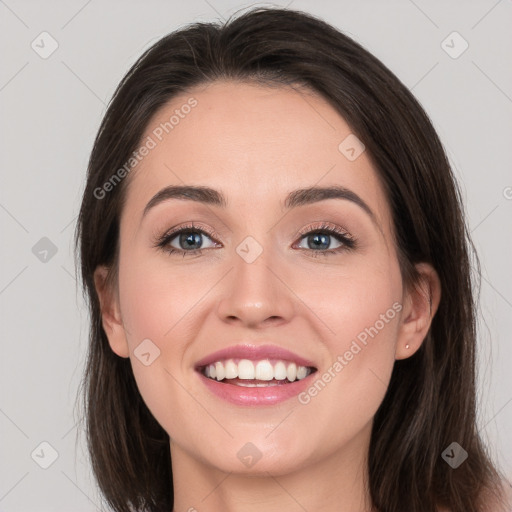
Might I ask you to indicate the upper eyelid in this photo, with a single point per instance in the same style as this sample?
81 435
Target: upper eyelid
322 226
192 226
347 240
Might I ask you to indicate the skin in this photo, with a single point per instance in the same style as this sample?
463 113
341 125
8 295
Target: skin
255 144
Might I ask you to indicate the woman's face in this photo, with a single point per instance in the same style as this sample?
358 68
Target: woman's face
260 279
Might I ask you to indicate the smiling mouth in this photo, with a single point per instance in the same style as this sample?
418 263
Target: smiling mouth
262 373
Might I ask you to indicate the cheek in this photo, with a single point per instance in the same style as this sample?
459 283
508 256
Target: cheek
351 299
156 308
156 302
361 310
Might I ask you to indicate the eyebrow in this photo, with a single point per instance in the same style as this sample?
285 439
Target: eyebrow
295 198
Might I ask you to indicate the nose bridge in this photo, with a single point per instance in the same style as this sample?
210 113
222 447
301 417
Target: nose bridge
255 293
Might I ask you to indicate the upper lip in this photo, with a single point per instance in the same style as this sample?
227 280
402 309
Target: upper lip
255 353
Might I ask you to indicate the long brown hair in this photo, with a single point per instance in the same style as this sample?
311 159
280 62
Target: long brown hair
431 400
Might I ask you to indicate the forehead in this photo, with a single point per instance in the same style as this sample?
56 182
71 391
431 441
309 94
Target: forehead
255 143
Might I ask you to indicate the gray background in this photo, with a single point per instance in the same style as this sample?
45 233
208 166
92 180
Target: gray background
50 111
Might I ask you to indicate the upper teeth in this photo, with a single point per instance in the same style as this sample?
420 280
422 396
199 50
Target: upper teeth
259 370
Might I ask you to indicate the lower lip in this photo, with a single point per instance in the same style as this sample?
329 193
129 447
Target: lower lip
270 395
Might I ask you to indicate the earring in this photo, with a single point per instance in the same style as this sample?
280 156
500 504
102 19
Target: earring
407 346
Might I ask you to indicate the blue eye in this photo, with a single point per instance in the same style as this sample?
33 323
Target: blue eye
319 240
189 240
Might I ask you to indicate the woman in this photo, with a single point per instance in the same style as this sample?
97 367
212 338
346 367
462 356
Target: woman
276 259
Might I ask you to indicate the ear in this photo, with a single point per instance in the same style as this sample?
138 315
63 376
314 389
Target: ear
110 312
420 306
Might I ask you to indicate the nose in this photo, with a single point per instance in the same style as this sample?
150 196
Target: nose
256 294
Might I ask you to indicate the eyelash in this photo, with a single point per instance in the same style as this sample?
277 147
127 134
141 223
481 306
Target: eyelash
348 241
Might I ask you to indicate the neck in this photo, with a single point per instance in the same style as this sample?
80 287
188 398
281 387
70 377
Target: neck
332 484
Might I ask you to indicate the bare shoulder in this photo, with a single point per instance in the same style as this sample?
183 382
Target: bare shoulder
507 495
506 499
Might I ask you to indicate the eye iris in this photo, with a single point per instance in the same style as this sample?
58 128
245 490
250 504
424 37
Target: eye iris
324 241
189 239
